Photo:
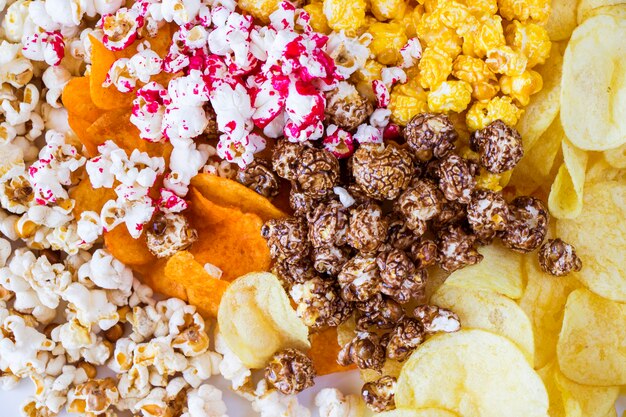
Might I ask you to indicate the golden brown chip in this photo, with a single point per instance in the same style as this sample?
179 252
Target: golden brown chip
106 98
88 198
205 213
324 351
76 99
128 250
229 193
79 127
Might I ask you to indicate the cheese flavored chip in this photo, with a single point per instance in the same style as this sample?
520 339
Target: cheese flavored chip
105 98
324 351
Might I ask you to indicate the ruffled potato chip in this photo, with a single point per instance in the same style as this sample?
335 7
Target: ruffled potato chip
88 198
76 99
595 62
589 8
423 412
128 250
592 344
500 271
324 351
474 373
490 311
566 195
205 213
562 20
256 319
544 303
106 98
599 236
229 193
79 127
616 157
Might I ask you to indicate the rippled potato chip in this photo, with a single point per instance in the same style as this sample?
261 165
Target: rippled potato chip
500 271
562 20
616 157
599 236
76 99
128 250
566 195
589 8
473 373
592 343
228 193
257 320
544 106
80 126
544 303
88 198
423 412
595 62
490 311
105 98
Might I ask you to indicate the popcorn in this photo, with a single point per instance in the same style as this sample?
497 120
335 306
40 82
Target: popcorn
338 142
18 110
47 46
65 12
411 52
332 403
159 354
122 357
22 347
91 306
120 28
205 401
16 194
180 11
271 403
170 202
382 93
94 396
134 385
146 322
231 367
201 368
148 111
368 134
89 227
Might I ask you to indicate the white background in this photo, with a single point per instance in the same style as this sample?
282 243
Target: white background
347 382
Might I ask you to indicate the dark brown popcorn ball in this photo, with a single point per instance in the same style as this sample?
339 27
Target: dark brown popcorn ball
368 227
456 249
419 203
211 132
404 338
168 234
346 108
558 258
365 351
317 172
379 395
259 177
424 253
430 135
330 259
285 159
499 146
399 235
319 304
359 278
290 371
297 272
456 179
452 213
400 279
379 312
287 239
382 171
436 319
328 224
487 214
300 203
527 226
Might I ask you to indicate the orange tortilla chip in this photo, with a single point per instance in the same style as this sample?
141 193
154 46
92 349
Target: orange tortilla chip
229 193
76 98
323 352
234 245
115 125
106 98
88 198
183 277
128 250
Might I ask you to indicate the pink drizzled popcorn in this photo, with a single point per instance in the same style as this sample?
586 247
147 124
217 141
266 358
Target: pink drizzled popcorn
46 46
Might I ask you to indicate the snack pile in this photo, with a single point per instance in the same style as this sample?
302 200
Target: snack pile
430 192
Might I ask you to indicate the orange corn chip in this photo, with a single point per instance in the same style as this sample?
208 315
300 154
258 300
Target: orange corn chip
115 125
76 98
323 352
106 98
88 198
79 127
128 250
229 193
204 213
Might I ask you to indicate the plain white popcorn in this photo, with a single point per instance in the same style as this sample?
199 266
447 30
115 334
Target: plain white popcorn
231 366
206 401
21 352
332 403
92 306
271 403
107 272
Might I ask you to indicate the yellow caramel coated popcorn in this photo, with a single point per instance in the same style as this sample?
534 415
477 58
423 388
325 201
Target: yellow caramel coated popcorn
457 16
404 107
435 67
348 16
489 35
450 96
407 21
319 23
523 10
476 72
482 113
260 9
482 7
521 87
388 9
505 60
529 39
388 39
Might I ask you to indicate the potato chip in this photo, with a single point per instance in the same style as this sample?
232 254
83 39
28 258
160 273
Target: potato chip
566 195
115 125
499 271
544 106
616 157
106 98
595 62
204 213
257 320
88 198
228 193
592 343
562 20
599 236
535 167
76 99
585 400
79 127
324 351
126 249
586 8
422 412
544 302
490 311
473 373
